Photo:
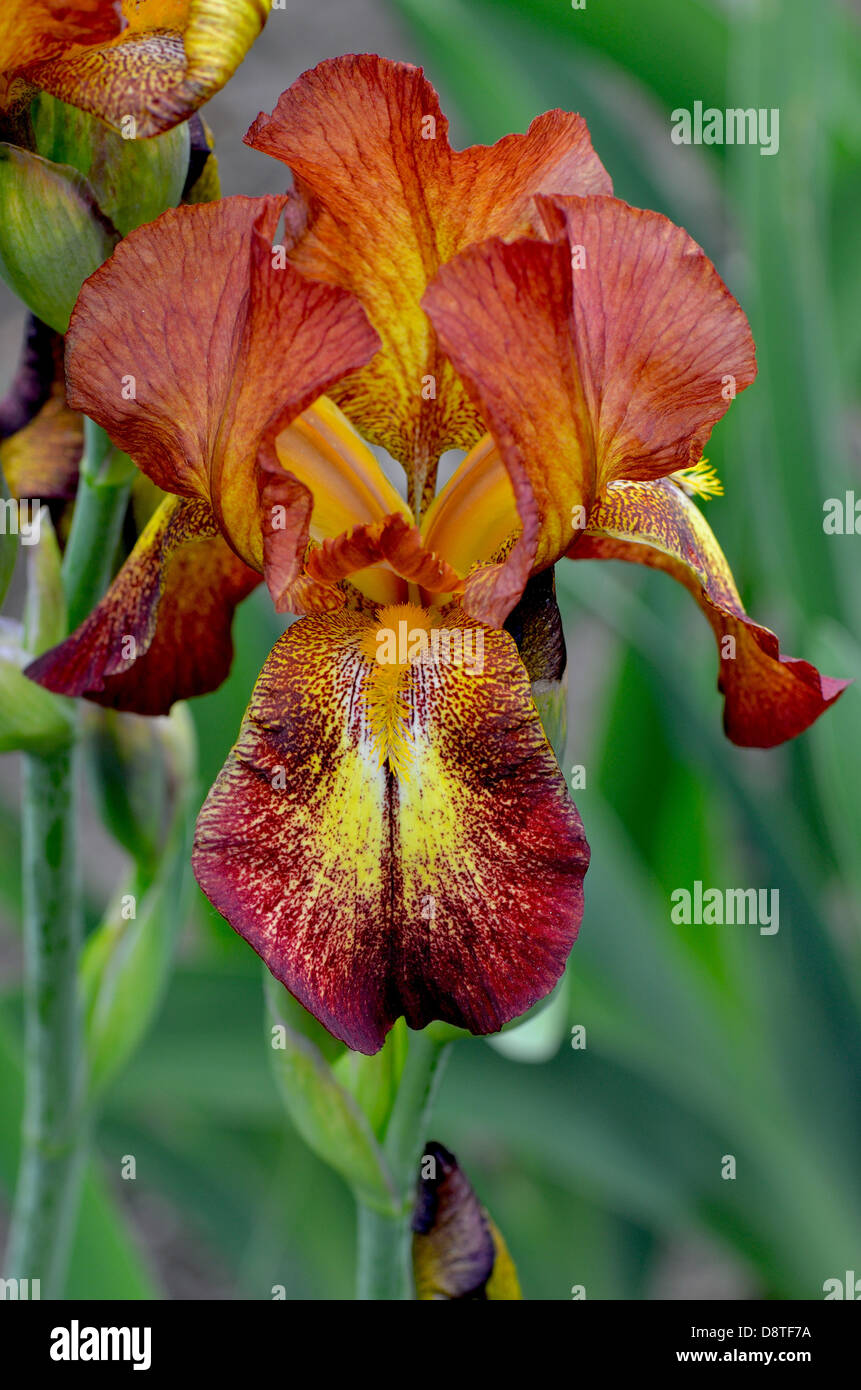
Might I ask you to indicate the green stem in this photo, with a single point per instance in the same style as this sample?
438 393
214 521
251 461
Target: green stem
380 1258
383 1241
100 504
54 1139
51 1158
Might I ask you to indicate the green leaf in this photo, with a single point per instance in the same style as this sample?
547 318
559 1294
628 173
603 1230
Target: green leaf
695 34
323 1111
45 609
133 181
52 233
32 720
837 757
126 963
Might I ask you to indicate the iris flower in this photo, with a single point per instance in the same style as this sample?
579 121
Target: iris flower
393 834
154 61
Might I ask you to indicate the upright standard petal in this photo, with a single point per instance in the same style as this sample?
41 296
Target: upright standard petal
196 341
395 837
608 352
382 200
162 631
153 68
769 697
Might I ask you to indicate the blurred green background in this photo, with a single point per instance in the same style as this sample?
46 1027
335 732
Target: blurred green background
602 1165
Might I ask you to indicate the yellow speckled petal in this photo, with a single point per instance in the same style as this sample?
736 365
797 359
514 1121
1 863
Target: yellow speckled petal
769 697
162 631
172 56
39 29
393 836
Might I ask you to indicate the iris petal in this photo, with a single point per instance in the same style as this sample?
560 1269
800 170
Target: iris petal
608 352
162 631
194 343
769 697
382 200
395 841
172 56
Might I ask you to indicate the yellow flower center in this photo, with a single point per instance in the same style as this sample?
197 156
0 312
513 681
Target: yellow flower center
400 637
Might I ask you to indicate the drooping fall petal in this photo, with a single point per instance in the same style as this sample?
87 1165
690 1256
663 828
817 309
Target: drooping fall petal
396 837
608 352
155 66
195 341
457 1250
382 200
769 697
43 28
162 631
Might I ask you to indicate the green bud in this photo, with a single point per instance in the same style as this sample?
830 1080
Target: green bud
537 1036
323 1110
133 181
551 700
373 1081
126 963
536 626
441 1033
52 233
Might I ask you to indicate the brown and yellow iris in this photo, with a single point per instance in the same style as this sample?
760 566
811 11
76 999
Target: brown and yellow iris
396 838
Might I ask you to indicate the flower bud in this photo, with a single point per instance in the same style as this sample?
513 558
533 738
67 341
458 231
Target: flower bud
53 234
457 1250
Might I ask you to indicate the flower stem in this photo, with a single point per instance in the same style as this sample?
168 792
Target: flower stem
54 1135
383 1241
100 504
381 1257
51 1158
